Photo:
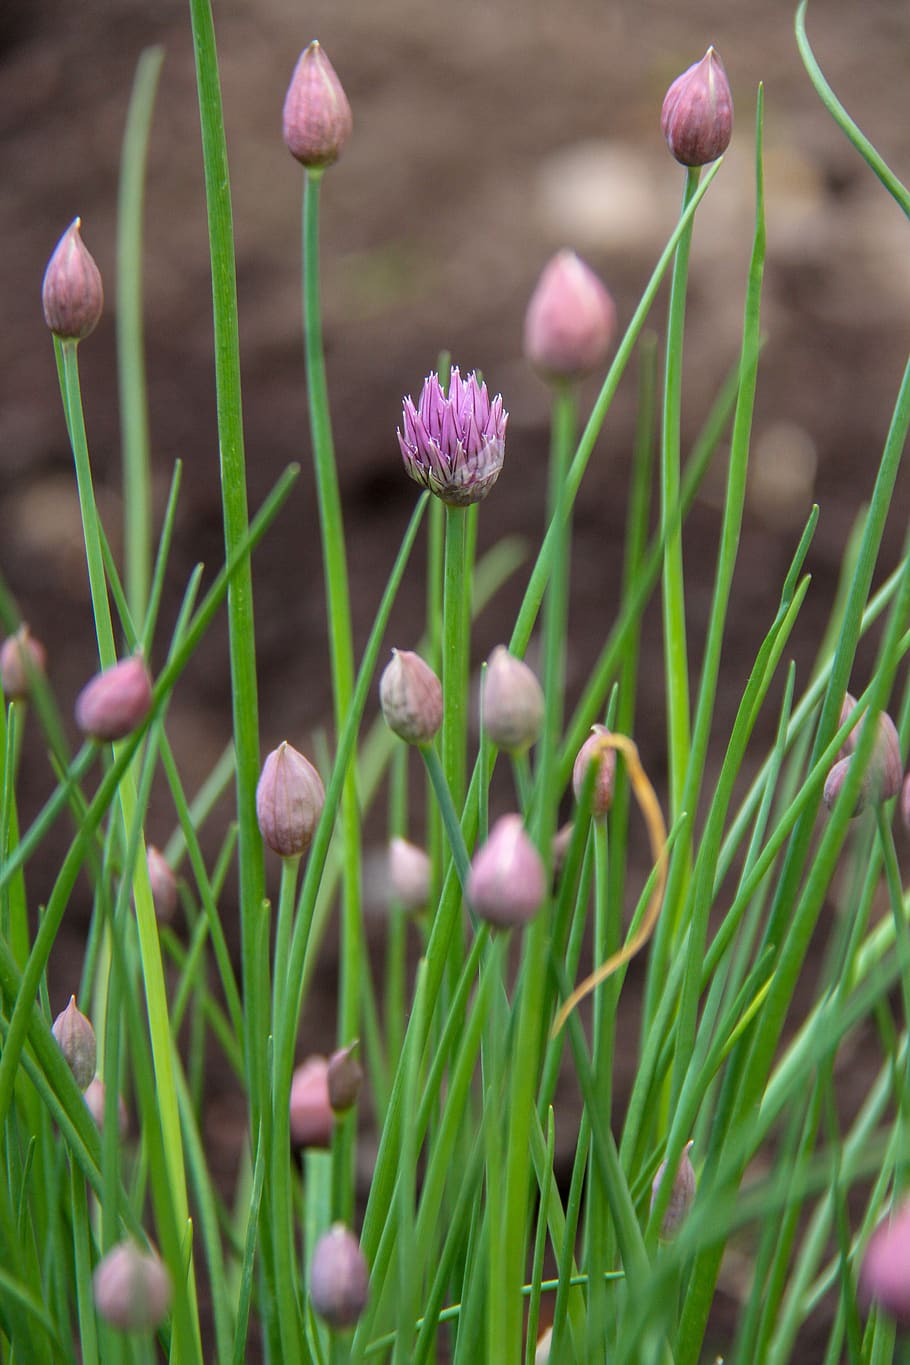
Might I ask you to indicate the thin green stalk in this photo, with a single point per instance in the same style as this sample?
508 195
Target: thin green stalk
676 662
455 653
341 649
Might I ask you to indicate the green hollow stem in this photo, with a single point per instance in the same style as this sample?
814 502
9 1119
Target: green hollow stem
455 647
341 650
674 606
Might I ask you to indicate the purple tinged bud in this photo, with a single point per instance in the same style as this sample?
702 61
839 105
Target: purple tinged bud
560 846
163 884
682 1195
289 801
76 1039
339 1277
884 774
94 1097
594 750
512 702
345 1077
116 701
410 695
697 114
21 657
317 116
409 874
454 443
507 884
72 294
848 706
884 1277
132 1289
312 1117
571 320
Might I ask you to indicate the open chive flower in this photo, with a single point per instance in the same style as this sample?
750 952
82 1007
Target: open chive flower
454 444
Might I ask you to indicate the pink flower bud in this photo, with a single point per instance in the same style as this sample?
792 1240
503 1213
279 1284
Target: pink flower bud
560 847
344 1077
132 1289
94 1097
594 750
289 801
512 702
884 774
312 1117
410 695
21 657
76 1038
848 706
507 884
884 1277
339 1277
697 114
454 442
571 320
682 1195
116 701
317 116
163 884
409 874
72 293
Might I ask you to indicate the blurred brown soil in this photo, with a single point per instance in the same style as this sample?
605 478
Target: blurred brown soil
484 140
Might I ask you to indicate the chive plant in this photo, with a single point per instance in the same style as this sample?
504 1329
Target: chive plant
468 1241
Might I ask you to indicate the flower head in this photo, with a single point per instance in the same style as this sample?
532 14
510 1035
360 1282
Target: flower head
884 1276
132 1289
681 1196
339 1277
596 750
116 701
697 114
76 1039
289 801
317 116
21 658
454 444
507 884
409 874
312 1116
512 702
410 695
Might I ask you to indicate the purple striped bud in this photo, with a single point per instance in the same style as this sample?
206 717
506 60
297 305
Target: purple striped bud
410 695
289 801
116 701
72 294
697 114
339 1277
682 1195
507 883
21 657
409 874
76 1039
512 702
884 1277
594 750
571 320
132 1289
312 1117
454 443
317 116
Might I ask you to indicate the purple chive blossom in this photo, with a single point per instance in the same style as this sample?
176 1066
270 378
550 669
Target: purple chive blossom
454 445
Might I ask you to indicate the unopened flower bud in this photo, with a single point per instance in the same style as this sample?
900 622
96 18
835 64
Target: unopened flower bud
410 695
94 1097
312 1118
595 750
21 657
339 1277
344 1077
132 1289
72 294
681 1197
884 774
317 116
76 1038
409 874
163 884
116 701
512 702
697 114
571 320
507 883
884 1277
289 801
848 706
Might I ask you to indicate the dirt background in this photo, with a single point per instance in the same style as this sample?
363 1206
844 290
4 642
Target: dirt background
486 137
